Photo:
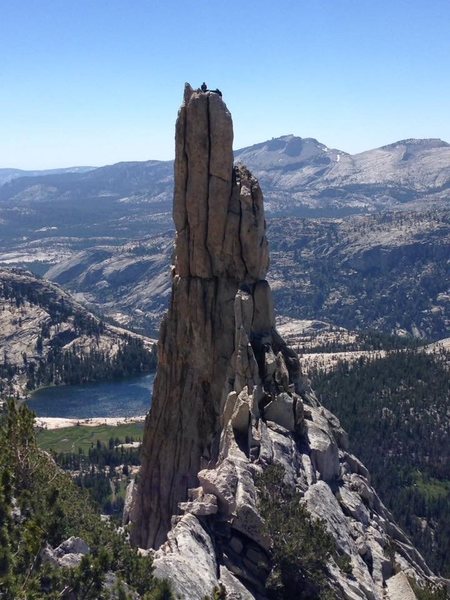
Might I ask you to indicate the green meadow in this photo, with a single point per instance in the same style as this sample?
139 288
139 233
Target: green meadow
70 439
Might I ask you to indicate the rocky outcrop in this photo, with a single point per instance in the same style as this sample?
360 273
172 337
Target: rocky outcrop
229 401
68 554
399 588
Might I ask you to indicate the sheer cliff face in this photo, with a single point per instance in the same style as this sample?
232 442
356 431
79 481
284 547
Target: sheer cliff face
220 246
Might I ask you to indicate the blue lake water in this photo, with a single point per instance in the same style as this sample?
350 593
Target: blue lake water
124 398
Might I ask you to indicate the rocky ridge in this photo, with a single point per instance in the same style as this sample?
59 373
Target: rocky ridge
7 175
301 175
220 244
229 401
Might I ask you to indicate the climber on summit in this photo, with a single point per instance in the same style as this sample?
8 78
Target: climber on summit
204 89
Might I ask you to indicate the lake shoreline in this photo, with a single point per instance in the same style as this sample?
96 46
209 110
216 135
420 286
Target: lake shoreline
49 386
93 404
61 422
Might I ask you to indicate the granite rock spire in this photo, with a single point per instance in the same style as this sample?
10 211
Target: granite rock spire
220 246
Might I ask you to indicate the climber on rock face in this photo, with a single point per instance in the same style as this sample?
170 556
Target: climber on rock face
204 87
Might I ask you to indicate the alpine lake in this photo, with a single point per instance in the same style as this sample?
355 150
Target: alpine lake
122 398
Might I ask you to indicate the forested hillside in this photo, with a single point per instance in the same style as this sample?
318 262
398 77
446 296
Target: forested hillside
396 412
48 339
42 513
389 272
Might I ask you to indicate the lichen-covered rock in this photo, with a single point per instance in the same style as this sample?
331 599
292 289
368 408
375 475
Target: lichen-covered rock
324 451
199 503
233 587
281 410
222 483
73 545
247 519
68 554
353 505
128 502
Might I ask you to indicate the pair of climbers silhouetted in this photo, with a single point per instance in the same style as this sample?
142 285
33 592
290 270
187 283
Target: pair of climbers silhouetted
204 88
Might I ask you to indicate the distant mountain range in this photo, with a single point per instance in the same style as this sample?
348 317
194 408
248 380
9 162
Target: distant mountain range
299 176
117 202
104 233
10 174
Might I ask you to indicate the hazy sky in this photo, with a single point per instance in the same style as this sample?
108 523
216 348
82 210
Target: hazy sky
93 82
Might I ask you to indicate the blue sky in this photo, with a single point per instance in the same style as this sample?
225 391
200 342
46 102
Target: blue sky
95 82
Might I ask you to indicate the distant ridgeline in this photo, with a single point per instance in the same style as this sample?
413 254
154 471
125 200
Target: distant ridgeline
395 410
49 339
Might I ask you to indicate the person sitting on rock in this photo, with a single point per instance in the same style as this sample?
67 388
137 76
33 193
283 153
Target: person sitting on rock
204 89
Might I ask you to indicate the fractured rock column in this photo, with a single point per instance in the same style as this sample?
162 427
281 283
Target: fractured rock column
220 246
